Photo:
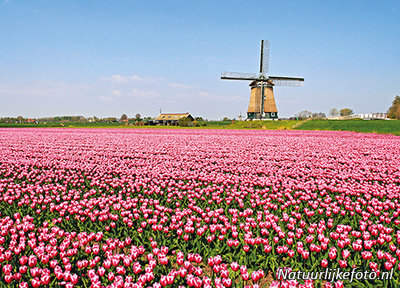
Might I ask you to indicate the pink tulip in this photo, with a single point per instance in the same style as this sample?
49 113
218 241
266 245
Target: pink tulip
345 254
324 263
235 266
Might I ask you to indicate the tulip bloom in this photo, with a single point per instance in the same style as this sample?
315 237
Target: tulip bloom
235 266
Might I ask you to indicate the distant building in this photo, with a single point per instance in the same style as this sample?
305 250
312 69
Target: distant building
173 118
370 116
365 116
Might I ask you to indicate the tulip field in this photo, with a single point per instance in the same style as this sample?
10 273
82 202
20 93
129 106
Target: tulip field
196 208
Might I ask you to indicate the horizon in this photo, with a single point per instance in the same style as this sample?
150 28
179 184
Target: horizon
107 59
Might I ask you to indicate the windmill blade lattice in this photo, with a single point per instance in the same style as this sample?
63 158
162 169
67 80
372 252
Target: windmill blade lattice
264 59
238 76
287 81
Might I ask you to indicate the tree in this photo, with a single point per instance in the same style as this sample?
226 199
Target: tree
303 115
184 122
138 117
394 110
226 119
333 112
319 115
110 120
124 117
345 112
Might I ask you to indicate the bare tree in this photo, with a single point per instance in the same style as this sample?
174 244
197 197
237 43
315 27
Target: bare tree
319 115
303 115
333 112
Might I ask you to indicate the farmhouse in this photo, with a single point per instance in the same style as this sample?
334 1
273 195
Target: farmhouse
173 118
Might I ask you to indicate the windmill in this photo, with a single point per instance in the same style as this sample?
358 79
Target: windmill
262 101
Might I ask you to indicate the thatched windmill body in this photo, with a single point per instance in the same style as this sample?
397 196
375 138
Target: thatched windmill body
262 102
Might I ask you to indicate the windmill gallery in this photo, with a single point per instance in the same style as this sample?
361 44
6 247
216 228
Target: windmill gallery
262 102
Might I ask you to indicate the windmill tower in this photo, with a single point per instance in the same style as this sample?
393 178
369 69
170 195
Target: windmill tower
262 101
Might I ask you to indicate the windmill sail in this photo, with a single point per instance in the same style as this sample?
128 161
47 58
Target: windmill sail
238 76
264 58
287 81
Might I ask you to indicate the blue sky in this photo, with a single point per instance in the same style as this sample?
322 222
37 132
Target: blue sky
105 58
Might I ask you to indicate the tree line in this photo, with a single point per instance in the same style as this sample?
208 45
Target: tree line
392 113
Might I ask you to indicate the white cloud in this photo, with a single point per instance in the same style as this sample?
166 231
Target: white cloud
178 85
119 79
140 79
105 98
145 93
116 92
116 78
204 94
